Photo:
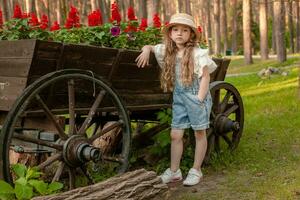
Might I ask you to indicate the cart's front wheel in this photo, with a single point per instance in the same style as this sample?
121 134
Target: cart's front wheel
73 124
226 119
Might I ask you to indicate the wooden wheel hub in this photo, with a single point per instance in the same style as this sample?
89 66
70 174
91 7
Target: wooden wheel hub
77 150
224 125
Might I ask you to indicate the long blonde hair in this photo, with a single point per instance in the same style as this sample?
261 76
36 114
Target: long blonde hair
167 78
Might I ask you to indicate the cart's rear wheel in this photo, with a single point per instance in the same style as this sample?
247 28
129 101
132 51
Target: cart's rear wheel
84 103
226 119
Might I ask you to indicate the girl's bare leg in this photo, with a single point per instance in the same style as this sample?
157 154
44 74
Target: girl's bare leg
200 150
176 148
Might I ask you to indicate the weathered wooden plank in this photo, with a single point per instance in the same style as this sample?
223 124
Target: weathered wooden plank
15 67
20 48
10 89
136 86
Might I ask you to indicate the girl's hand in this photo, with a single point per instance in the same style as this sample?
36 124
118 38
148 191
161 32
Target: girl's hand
143 59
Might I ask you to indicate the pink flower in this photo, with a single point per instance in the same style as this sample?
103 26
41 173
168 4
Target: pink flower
115 30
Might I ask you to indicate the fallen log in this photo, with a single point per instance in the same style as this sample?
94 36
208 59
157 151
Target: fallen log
139 184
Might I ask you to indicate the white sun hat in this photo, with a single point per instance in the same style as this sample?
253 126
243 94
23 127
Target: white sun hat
183 19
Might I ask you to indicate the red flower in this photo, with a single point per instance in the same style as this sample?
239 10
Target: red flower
143 25
199 29
130 14
1 19
156 21
130 28
33 21
95 18
115 14
73 18
44 22
55 26
167 23
17 12
25 15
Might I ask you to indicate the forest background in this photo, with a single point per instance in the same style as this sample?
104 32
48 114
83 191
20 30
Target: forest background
243 27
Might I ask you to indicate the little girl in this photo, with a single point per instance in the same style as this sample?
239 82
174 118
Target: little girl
185 71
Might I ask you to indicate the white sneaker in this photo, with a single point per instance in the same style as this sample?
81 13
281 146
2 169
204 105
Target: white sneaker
193 177
168 176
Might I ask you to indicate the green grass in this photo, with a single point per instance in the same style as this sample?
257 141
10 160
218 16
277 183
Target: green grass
237 64
266 162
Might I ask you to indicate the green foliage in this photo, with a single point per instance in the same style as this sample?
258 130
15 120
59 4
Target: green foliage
27 184
17 29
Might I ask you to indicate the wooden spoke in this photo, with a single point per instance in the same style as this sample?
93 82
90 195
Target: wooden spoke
51 117
71 178
113 159
92 112
225 101
71 94
216 101
231 110
109 128
50 160
227 140
58 172
37 141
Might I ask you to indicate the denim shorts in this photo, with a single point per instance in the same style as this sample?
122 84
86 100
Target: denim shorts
188 111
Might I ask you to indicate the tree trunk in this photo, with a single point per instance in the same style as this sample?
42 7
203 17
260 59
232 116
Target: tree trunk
5 13
273 28
290 25
143 8
297 26
104 10
29 6
93 5
208 27
263 30
234 26
279 30
223 22
180 5
139 184
188 7
217 26
247 31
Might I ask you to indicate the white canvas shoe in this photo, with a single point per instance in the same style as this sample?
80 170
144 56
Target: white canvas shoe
168 176
193 177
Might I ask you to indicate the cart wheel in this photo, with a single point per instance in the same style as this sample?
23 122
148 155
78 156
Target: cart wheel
86 103
226 119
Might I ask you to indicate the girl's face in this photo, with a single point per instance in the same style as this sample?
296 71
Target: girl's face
180 34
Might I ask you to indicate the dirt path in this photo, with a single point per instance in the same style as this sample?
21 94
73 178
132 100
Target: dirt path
208 184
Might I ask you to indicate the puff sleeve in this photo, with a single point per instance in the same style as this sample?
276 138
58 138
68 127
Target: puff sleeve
202 59
159 52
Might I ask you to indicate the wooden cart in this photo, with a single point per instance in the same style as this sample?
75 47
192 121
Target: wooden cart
59 100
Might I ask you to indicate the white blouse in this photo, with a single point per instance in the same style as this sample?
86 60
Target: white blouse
201 59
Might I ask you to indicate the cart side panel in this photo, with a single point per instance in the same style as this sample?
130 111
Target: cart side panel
15 61
96 59
220 73
46 59
139 87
